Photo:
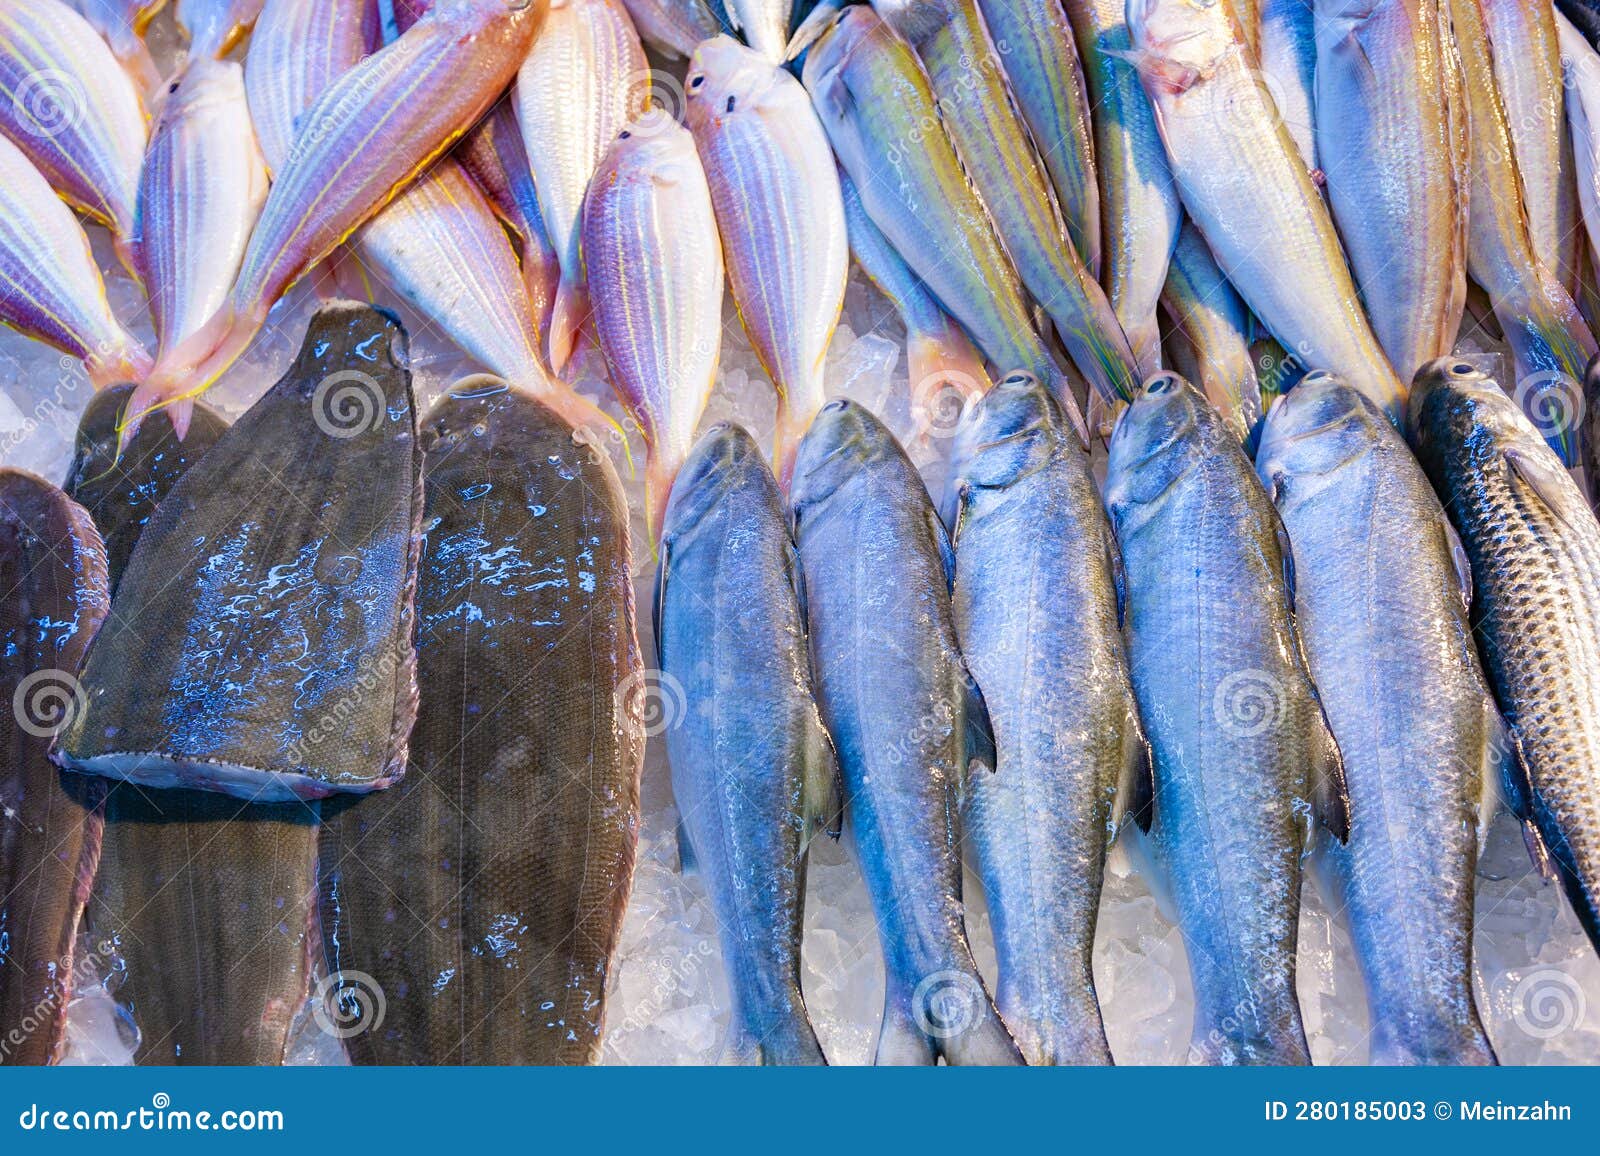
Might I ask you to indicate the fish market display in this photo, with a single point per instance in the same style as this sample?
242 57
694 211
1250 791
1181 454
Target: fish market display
1209 338
122 23
1398 670
995 150
1031 541
52 289
53 595
905 716
780 216
1287 43
939 356
484 893
1139 208
462 54
201 191
654 264
1035 43
870 91
1247 190
1534 548
753 773
250 578
215 26
673 28
298 49
70 108
1243 757
1548 338
584 80
1394 156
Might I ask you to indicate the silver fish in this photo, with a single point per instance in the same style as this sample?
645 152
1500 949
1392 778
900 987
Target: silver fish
781 217
52 287
1139 208
202 188
1246 189
903 711
654 263
1241 748
753 772
673 27
875 101
1288 47
763 24
298 49
584 79
975 107
1534 547
1381 602
73 111
1037 615
1209 338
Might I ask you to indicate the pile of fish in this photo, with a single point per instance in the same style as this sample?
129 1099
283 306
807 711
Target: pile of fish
338 712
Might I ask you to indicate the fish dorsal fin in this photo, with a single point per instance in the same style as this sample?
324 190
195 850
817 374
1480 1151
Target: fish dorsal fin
1286 556
947 554
1553 486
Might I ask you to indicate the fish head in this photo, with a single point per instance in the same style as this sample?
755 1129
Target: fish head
653 149
726 79
1007 434
1154 442
843 439
835 67
1318 426
203 82
1453 401
1178 42
725 459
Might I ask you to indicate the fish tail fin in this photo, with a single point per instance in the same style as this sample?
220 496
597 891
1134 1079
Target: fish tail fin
567 312
947 374
792 1042
127 361
795 414
949 1014
1060 386
986 1043
1553 347
901 1041
146 399
1095 339
659 473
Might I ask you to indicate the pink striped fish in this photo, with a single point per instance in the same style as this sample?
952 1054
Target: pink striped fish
122 23
50 288
298 49
215 26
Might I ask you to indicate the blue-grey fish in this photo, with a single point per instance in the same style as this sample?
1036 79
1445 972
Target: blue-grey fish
1287 43
1037 614
906 718
1381 598
673 27
1244 761
753 771
1534 547
878 107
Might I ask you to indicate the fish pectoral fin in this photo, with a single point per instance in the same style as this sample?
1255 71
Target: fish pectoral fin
1458 556
1563 500
659 597
1508 780
1286 555
1136 788
823 802
688 864
947 553
980 732
1332 789
1119 576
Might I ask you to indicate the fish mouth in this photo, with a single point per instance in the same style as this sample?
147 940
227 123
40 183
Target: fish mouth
708 473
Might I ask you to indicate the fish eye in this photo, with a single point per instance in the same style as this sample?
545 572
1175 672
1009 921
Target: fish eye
697 80
730 104
1161 383
1461 368
625 135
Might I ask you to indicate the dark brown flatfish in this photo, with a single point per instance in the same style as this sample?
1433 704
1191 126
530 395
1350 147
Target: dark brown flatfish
268 605
484 894
208 900
53 596
121 492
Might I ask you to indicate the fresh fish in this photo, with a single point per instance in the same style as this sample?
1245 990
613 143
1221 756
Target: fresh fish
441 249
1247 190
201 191
1033 38
1549 340
1287 44
248 578
753 772
945 370
904 713
1210 333
1580 69
122 23
484 894
975 108
1139 207
298 49
1037 615
495 159
72 110
781 218
1390 149
1526 60
215 26
52 287
1381 602
53 595
1534 548
461 55
121 491
584 80
654 263
875 102
1241 748
762 24
673 27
